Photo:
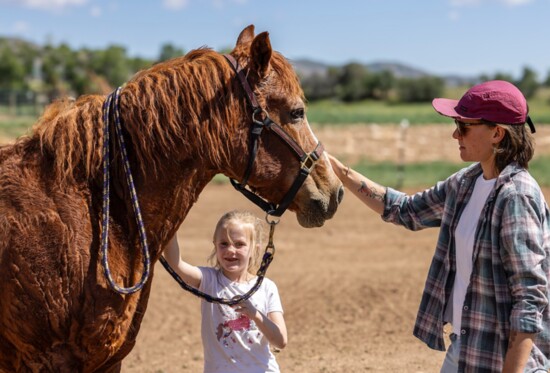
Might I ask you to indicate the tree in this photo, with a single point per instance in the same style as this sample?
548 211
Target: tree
112 63
380 84
12 70
420 90
352 82
169 51
503 76
317 87
138 63
547 81
528 83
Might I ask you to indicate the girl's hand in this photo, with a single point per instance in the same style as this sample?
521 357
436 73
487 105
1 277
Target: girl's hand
246 308
272 326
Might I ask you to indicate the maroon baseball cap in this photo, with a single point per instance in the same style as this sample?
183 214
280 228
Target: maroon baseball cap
495 101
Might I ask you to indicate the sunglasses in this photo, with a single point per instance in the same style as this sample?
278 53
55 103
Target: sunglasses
462 127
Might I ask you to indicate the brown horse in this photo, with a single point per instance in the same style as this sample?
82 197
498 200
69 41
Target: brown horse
184 121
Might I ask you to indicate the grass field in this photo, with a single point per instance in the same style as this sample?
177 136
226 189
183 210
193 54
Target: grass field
328 113
335 113
428 173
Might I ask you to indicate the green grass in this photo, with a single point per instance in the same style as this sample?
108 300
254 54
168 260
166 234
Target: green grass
540 169
13 127
335 113
423 174
331 112
426 174
411 175
21 110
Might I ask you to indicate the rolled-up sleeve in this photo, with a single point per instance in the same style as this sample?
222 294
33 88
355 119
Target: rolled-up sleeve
419 211
524 254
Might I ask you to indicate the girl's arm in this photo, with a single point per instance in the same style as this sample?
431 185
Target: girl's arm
272 326
189 273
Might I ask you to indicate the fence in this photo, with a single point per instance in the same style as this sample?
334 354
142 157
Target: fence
18 103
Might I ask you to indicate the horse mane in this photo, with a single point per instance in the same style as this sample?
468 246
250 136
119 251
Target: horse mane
181 106
71 133
190 109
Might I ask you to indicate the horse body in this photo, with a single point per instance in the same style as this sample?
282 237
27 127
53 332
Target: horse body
184 121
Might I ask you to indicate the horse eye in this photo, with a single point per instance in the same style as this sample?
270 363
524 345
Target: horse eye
297 114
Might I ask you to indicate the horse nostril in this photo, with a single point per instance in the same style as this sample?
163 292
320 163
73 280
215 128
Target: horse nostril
340 194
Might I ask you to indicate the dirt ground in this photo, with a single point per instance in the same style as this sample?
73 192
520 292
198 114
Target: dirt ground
350 290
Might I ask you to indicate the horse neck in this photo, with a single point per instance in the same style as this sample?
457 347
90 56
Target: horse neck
183 140
184 112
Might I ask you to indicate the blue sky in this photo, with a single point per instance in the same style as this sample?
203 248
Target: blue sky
466 37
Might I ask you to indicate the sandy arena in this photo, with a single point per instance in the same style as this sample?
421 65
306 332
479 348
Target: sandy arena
350 290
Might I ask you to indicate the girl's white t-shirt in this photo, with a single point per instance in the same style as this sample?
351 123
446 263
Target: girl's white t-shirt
464 244
231 341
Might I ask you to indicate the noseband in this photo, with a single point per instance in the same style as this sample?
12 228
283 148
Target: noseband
261 120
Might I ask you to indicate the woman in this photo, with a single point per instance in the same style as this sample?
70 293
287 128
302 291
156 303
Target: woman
490 270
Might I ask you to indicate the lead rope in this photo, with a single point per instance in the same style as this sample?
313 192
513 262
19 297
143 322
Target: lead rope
266 261
113 104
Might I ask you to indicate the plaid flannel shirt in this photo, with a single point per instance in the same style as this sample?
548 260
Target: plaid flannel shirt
509 287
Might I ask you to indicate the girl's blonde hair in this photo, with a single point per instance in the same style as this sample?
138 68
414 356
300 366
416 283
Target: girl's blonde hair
256 236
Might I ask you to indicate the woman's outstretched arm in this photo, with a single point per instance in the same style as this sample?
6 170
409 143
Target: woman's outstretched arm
369 192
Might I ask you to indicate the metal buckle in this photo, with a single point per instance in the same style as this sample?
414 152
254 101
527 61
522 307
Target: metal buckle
309 162
259 111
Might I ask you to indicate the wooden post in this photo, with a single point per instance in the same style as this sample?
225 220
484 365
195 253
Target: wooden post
401 146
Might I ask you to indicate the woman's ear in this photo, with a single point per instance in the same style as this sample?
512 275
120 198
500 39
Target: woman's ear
498 135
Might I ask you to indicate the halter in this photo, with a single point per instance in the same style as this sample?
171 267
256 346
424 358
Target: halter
111 109
307 160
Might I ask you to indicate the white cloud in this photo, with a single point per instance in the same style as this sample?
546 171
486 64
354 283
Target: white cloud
95 11
45 4
216 4
454 15
460 3
175 4
21 27
516 2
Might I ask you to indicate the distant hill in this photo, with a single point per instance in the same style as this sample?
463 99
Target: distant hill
306 68
17 44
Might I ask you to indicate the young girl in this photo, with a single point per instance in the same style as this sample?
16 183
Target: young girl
237 338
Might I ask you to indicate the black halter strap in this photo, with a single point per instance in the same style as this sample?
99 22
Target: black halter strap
261 121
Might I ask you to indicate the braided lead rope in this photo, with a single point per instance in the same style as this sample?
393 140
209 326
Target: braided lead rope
113 103
266 261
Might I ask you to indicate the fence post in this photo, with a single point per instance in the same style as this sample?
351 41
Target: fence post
401 146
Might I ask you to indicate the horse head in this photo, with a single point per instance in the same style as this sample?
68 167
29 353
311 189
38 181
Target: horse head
276 88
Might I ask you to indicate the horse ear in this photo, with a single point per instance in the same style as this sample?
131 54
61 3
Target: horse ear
260 53
246 35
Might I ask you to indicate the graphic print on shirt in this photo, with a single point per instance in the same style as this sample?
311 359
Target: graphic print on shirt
235 322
